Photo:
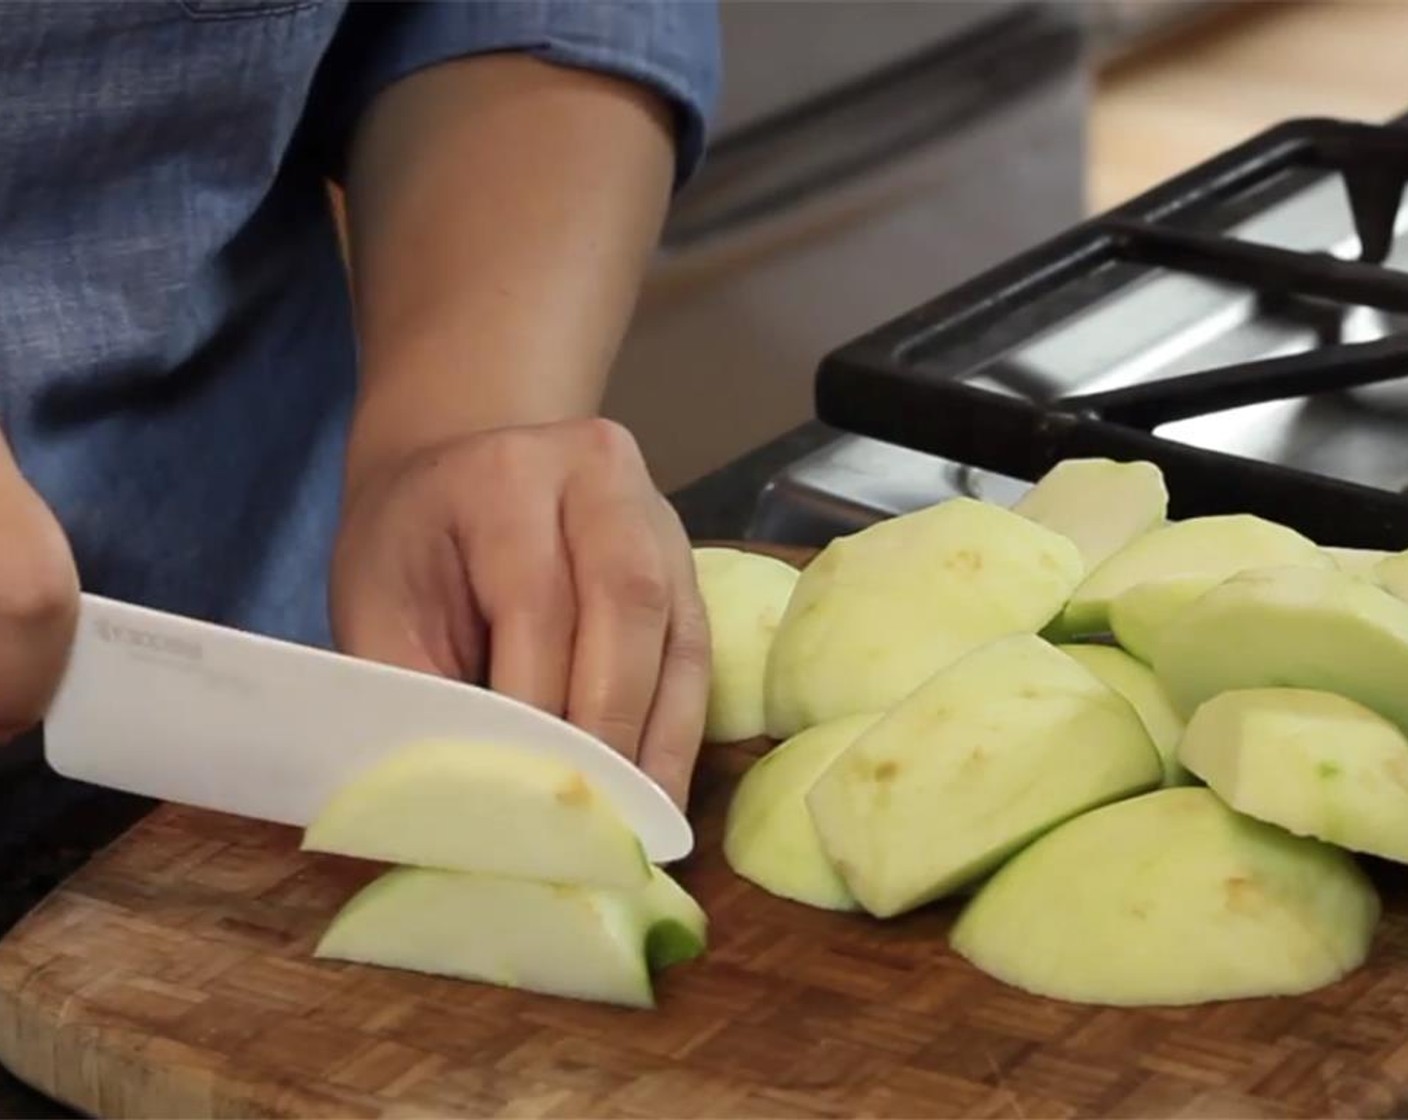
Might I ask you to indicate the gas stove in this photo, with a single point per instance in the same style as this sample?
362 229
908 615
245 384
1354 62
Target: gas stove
1241 326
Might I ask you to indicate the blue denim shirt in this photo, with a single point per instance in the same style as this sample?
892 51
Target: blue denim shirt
177 361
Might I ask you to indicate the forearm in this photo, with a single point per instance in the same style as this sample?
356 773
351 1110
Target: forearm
501 214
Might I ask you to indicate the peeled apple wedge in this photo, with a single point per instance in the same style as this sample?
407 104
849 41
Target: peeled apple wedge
1100 504
744 596
1209 547
1391 573
468 806
1170 898
1136 682
1316 628
993 750
562 940
1357 561
1137 615
769 837
878 612
1311 762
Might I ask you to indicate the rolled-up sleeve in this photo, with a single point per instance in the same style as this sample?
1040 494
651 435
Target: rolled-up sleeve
671 46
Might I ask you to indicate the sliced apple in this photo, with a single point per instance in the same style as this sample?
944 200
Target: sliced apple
769 837
1312 762
1136 682
1138 614
1391 573
466 806
1357 561
557 939
744 595
993 750
1171 898
878 612
1208 547
1317 628
1100 504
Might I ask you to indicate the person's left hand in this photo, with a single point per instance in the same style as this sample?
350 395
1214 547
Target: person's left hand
543 562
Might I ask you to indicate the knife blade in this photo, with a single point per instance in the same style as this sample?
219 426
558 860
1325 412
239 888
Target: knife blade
191 712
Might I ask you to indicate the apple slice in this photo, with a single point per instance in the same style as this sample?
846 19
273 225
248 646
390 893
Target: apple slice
1100 504
1136 682
557 939
1391 573
1357 561
744 595
1138 614
993 750
769 837
1317 628
1312 762
1208 547
465 806
877 612
1171 898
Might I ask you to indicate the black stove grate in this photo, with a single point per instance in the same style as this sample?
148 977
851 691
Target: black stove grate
907 382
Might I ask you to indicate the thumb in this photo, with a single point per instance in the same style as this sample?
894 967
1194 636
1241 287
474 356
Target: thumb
38 601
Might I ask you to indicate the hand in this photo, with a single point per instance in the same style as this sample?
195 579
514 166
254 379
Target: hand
38 602
541 561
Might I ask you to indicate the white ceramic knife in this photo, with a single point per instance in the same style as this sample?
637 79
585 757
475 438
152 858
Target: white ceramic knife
185 711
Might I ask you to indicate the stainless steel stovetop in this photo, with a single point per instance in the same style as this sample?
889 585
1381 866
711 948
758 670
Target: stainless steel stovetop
1161 325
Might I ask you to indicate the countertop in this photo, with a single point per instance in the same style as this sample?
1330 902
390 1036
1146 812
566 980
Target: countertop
49 826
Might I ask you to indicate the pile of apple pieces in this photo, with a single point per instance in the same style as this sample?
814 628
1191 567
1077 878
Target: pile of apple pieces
1147 757
512 870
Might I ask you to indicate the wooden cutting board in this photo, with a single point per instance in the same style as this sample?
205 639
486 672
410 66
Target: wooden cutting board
172 976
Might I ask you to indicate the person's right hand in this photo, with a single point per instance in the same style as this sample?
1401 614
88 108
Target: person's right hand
38 601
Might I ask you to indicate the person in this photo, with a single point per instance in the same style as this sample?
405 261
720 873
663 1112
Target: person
381 435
